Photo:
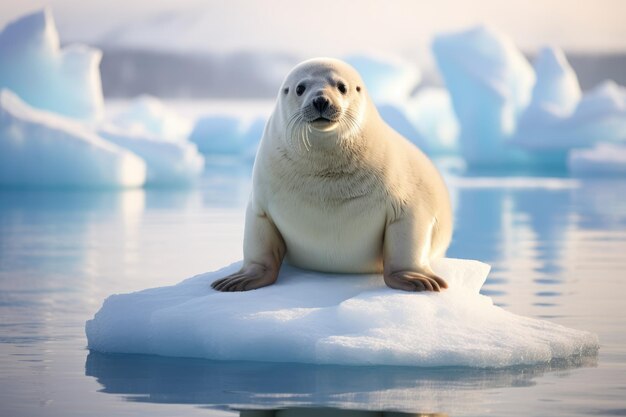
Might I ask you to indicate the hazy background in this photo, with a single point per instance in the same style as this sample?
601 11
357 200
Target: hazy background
190 48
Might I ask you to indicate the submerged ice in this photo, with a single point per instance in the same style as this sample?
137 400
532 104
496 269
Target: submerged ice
318 318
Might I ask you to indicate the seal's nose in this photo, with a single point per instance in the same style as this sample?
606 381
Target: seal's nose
320 104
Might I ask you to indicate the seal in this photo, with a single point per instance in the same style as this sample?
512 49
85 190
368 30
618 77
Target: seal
335 189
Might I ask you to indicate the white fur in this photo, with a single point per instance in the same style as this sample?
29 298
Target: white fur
345 200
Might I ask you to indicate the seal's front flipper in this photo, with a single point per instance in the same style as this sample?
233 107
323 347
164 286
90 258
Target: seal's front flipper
414 281
249 277
263 252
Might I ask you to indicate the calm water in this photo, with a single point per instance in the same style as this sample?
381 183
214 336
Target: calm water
557 247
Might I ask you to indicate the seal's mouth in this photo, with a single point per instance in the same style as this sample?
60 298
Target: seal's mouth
323 123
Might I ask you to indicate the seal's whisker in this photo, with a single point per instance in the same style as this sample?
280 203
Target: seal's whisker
308 130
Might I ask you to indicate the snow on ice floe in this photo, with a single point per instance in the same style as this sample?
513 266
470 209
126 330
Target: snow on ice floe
40 148
310 317
388 78
605 159
32 64
490 82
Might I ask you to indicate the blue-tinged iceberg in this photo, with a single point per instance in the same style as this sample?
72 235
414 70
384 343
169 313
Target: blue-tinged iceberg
169 163
389 79
32 64
605 159
490 83
431 112
40 148
310 317
148 116
231 135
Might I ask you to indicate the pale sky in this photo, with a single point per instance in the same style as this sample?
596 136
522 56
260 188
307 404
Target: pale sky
330 27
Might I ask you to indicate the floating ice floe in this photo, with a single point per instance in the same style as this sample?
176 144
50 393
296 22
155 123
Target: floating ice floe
490 83
39 148
169 163
148 116
32 64
388 78
310 317
603 160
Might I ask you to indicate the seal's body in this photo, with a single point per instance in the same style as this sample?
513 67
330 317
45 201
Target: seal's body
335 189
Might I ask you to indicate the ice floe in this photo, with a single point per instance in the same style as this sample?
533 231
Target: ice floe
319 318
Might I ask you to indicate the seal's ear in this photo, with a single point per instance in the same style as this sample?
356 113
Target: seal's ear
286 90
358 88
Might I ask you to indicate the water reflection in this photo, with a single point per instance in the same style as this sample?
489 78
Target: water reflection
256 385
330 412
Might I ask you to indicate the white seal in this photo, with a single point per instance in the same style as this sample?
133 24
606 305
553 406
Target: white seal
335 189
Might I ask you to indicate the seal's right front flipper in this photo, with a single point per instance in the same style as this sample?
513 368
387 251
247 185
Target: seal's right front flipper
264 250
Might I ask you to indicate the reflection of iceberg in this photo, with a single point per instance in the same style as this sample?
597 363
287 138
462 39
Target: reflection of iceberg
66 81
246 385
388 79
333 319
38 148
490 82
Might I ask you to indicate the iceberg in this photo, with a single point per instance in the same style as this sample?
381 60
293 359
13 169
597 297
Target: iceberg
168 163
605 159
309 317
227 135
396 117
490 83
600 115
148 116
39 148
389 79
431 112
33 65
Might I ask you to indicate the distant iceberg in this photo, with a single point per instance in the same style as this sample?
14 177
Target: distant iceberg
39 148
389 79
220 135
603 160
169 163
490 83
431 112
310 317
148 116
32 64
396 117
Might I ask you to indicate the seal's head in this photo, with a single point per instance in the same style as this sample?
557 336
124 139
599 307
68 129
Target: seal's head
321 98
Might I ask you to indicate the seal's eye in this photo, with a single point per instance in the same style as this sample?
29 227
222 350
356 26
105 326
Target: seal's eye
342 88
286 90
358 88
300 89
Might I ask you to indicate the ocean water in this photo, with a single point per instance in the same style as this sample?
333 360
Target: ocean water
557 246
